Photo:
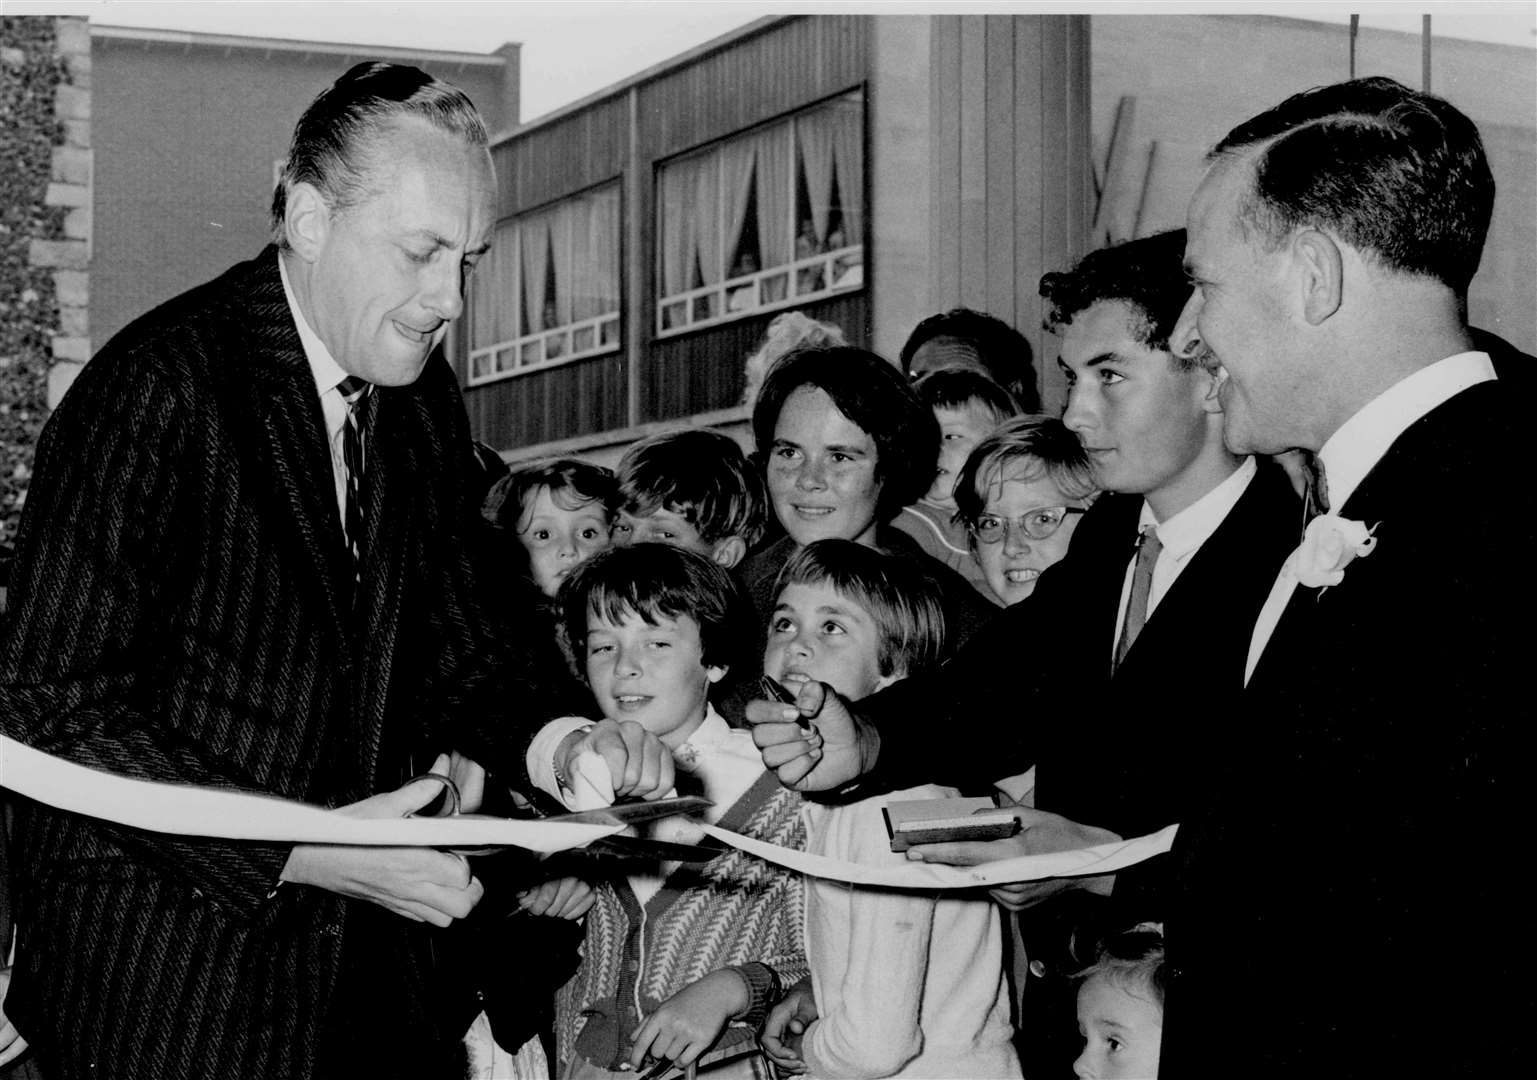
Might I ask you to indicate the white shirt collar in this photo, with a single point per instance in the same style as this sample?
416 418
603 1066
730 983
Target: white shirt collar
709 735
1187 530
326 371
1362 440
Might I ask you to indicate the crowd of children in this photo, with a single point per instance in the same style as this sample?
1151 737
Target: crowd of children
697 577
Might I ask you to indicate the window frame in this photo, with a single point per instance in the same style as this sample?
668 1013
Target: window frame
540 341
850 257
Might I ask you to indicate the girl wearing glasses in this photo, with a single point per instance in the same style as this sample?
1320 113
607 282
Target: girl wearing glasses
1020 495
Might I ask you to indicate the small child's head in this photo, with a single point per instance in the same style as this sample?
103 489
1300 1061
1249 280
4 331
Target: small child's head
653 627
968 406
852 617
561 510
1120 1007
1020 495
693 488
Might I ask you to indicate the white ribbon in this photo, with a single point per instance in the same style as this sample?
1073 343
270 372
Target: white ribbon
189 810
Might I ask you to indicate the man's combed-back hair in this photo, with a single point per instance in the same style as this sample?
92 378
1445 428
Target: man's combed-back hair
659 581
876 398
1147 274
903 604
700 475
1039 446
330 144
1394 172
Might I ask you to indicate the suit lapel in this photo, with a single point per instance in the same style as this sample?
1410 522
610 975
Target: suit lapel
287 410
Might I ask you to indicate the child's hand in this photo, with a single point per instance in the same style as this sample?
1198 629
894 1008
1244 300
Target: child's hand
688 1023
786 1024
559 898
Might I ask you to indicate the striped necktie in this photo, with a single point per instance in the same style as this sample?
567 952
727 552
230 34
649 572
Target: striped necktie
1148 549
353 390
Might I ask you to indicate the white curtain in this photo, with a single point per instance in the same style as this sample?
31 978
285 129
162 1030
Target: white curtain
534 238
776 227
737 157
582 267
682 190
562 229
707 228
494 292
814 134
846 117
603 251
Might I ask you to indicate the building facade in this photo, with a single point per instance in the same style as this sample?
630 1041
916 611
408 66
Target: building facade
873 170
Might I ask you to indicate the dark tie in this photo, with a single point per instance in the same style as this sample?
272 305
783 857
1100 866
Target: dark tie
1315 488
1148 547
353 390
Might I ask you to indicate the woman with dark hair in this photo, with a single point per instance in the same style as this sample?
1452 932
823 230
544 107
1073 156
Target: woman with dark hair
845 442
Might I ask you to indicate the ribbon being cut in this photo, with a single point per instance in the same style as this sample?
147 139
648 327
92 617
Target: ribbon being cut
188 810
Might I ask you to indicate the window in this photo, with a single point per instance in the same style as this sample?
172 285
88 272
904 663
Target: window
765 220
548 290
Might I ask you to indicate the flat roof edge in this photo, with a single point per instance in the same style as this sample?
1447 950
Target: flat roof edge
715 44
193 39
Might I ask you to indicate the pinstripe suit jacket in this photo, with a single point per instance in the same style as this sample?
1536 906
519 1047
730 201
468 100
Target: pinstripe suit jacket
181 610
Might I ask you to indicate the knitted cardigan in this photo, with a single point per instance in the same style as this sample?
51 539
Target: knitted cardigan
732 910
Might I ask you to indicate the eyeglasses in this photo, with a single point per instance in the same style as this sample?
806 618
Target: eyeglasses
1037 524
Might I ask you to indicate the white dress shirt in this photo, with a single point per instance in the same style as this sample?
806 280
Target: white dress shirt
1182 536
1360 443
327 374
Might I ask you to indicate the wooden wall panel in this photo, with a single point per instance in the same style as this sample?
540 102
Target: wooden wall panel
576 399
786 67
703 371
562 157
945 216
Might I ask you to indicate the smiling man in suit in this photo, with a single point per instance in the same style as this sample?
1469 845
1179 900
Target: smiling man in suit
244 563
1346 882
1181 550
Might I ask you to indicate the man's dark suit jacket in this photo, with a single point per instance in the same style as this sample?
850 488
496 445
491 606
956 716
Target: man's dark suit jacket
1357 902
1035 685
182 610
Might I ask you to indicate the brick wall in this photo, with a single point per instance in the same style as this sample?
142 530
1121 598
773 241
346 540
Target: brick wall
45 234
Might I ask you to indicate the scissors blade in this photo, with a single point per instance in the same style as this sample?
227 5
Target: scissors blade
640 847
634 813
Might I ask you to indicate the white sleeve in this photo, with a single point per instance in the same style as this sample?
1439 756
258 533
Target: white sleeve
876 1029
540 759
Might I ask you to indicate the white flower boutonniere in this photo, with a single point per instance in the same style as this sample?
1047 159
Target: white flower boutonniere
1328 546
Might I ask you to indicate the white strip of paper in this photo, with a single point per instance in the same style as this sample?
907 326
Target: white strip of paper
1084 862
189 810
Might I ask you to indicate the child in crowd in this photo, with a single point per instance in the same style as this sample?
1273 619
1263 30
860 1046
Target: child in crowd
1120 1008
680 961
968 405
692 488
561 510
1019 496
902 983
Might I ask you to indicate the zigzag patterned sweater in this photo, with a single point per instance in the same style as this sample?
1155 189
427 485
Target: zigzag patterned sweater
732 910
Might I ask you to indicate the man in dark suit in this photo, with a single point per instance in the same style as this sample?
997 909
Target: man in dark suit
244 563
1078 679
1351 888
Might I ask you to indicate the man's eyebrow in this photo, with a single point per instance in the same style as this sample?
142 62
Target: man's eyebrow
444 242
1108 357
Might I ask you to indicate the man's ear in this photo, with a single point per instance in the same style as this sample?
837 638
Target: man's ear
306 221
1322 274
1210 381
730 551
